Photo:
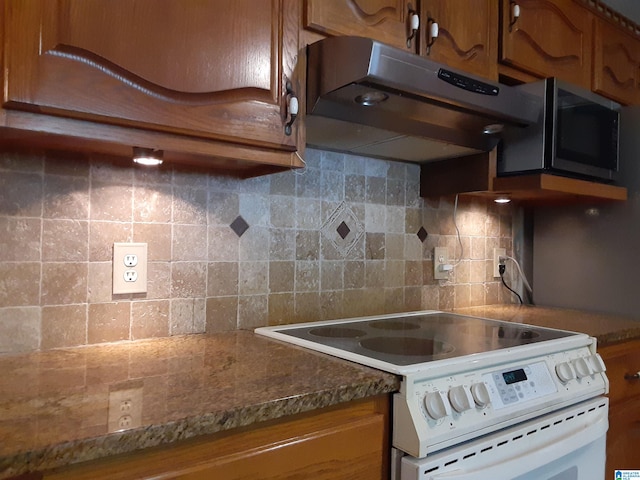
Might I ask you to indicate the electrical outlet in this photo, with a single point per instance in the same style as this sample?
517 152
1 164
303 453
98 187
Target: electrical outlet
125 409
497 253
131 260
130 275
440 259
129 268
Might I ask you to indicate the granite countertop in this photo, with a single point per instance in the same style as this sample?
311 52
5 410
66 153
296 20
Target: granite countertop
54 405
606 328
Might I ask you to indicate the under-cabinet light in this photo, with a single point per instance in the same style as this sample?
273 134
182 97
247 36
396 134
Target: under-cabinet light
147 156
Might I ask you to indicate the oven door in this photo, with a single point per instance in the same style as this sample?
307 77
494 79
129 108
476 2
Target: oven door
568 444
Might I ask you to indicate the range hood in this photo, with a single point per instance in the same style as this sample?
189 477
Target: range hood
367 98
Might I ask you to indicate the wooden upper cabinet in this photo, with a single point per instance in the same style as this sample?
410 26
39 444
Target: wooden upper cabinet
210 70
384 20
551 38
468 35
616 63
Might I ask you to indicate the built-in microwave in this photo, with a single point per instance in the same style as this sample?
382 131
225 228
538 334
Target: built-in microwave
577 135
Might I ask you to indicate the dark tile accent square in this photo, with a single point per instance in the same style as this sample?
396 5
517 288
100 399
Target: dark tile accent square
239 225
343 230
422 234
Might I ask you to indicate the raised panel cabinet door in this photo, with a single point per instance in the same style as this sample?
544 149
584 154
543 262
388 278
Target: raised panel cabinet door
468 35
212 69
384 20
616 63
550 38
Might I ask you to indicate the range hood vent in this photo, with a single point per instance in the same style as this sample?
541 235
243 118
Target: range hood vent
367 98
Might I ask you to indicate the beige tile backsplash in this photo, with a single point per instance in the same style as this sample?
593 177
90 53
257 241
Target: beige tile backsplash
60 215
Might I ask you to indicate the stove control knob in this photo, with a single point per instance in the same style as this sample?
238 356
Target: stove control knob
460 398
596 363
583 369
565 372
437 405
480 394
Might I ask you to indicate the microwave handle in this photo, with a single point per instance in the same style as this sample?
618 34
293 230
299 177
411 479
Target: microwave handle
514 466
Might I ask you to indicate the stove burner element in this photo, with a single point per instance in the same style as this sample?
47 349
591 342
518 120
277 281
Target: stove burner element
337 332
394 325
406 346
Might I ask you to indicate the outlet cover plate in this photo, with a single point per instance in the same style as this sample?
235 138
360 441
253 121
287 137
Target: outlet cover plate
122 273
125 409
497 253
440 257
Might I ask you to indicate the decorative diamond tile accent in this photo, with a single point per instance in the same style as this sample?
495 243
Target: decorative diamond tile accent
239 225
343 229
422 234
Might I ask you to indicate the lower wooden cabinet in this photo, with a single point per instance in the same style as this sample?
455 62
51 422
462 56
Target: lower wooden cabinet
343 442
623 438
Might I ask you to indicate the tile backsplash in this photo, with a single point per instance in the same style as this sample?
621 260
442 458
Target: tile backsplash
346 236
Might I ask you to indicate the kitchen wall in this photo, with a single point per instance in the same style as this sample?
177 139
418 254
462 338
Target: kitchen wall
346 236
586 256
630 9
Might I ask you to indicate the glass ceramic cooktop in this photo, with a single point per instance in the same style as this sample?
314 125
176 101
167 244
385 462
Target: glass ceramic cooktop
408 340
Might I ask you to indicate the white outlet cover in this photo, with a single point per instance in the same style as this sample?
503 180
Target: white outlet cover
440 257
122 274
125 409
497 253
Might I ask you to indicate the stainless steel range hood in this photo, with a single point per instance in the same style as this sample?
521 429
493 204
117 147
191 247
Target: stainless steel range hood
371 99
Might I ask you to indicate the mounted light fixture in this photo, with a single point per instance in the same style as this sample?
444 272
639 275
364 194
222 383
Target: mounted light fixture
147 156
371 99
493 129
502 200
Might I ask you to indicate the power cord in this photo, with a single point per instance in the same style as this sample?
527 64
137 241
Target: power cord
501 268
525 282
455 224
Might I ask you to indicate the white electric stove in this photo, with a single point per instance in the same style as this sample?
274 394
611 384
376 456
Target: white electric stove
467 381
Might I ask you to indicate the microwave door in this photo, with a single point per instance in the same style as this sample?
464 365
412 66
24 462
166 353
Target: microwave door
585 138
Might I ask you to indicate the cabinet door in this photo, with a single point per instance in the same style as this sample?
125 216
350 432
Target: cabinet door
551 38
616 63
623 437
384 20
468 35
204 69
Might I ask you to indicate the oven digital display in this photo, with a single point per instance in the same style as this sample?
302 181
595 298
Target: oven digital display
514 376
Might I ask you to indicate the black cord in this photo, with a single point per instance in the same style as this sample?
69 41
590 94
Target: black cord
501 269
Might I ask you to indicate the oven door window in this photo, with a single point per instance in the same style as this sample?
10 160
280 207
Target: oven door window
586 133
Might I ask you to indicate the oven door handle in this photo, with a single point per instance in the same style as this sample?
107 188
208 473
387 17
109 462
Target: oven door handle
514 466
